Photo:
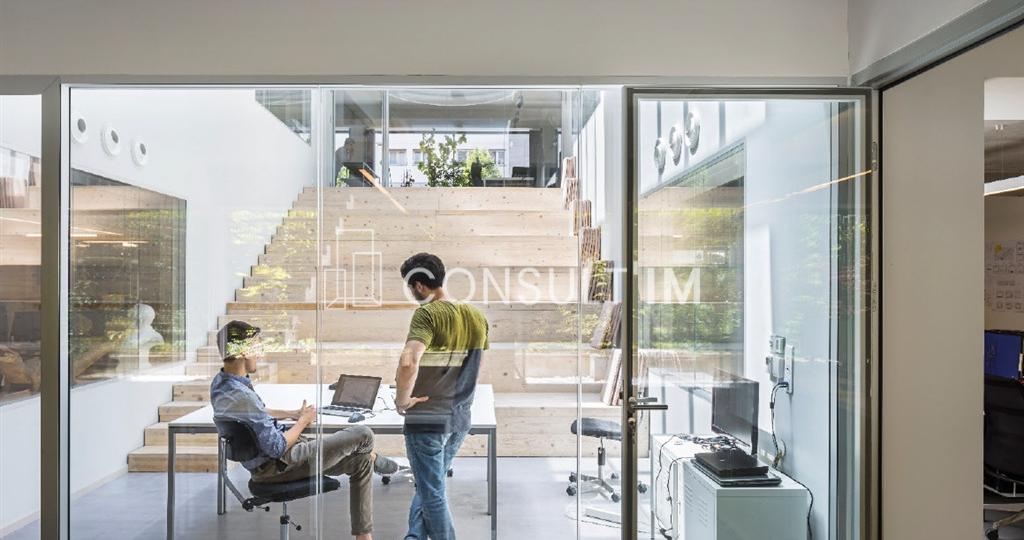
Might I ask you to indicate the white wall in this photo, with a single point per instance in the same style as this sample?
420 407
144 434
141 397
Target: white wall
450 37
21 124
878 28
933 293
236 165
103 431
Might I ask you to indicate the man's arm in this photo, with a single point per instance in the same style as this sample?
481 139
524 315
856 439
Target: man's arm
405 377
282 414
306 416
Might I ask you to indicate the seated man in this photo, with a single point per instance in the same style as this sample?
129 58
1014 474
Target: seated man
286 454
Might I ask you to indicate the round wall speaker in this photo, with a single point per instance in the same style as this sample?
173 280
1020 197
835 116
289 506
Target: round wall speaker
111 140
660 154
79 128
675 142
140 153
692 131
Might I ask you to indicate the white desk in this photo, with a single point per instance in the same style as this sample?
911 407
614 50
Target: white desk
384 422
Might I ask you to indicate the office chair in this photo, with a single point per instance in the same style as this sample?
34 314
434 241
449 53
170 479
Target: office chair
240 445
1004 444
585 483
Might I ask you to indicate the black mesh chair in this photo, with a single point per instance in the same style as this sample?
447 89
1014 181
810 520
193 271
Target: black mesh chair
1004 444
240 445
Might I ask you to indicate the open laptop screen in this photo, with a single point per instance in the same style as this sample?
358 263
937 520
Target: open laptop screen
356 391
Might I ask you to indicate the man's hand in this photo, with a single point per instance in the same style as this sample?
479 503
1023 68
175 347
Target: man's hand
410 403
306 414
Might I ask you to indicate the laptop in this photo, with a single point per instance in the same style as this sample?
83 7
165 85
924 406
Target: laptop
730 462
353 393
767 479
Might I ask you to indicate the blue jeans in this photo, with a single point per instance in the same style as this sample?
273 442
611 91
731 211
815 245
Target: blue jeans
430 457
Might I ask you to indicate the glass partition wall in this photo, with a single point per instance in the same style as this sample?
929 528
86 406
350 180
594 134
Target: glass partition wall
725 280
20 297
749 318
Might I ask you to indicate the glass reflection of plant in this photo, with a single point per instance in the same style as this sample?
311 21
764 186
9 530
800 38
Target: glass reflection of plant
137 258
714 321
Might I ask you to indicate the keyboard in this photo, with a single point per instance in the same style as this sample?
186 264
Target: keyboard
342 410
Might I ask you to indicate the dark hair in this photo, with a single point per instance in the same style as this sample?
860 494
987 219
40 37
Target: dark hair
424 268
232 335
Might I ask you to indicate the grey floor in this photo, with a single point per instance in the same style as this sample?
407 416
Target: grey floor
1012 532
532 504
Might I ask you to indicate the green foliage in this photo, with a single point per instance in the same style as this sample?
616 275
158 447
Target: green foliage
488 169
440 164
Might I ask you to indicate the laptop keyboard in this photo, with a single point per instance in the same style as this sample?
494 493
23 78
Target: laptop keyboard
342 409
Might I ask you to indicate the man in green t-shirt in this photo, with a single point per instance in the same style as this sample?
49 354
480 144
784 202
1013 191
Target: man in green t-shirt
436 379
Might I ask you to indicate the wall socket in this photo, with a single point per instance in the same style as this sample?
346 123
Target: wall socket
780 361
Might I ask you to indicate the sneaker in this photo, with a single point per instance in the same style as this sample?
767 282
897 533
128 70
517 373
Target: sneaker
384 465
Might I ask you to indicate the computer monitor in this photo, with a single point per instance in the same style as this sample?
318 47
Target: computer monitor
1003 353
356 391
734 410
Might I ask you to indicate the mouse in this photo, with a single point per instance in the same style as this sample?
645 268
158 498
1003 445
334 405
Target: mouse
356 417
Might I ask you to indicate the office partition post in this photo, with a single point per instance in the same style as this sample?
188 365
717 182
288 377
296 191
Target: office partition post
55 370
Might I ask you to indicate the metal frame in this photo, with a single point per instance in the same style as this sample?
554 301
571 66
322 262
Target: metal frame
55 389
868 505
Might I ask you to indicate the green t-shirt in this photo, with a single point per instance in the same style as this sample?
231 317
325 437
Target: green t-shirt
455 335
445 326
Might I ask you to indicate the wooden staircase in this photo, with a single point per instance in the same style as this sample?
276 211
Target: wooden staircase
497 237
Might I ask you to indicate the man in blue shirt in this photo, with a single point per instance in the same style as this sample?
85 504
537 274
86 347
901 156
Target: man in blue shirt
285 453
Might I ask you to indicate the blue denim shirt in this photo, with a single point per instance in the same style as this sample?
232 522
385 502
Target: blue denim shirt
234 397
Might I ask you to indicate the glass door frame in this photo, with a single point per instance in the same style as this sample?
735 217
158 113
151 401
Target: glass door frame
852 332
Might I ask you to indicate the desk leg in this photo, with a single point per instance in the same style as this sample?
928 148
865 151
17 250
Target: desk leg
221 471
492 480
170 483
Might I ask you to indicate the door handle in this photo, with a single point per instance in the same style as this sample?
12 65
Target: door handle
646 404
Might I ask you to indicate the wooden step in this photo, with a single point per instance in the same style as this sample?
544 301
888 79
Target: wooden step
428 198
187 459
508 323
156 435
191 391
540 252
512 284
176 409
418 223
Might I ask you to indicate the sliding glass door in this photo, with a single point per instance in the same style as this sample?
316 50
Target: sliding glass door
748 246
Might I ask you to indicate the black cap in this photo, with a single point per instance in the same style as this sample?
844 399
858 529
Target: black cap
234 333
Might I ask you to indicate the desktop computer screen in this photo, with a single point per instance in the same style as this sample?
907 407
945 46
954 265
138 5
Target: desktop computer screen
1003 353
734 411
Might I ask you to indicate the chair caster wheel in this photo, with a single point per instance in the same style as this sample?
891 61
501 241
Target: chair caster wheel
615 497
385 480
992 534
570 491
298 527
572 477
451 473
614 476
641 487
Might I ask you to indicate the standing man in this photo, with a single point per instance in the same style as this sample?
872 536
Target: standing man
285 454
436 380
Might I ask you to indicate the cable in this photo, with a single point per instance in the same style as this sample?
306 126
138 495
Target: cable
780 454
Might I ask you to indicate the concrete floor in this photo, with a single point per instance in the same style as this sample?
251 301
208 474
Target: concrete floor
532 504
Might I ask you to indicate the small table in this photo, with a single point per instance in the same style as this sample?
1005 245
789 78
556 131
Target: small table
385 422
